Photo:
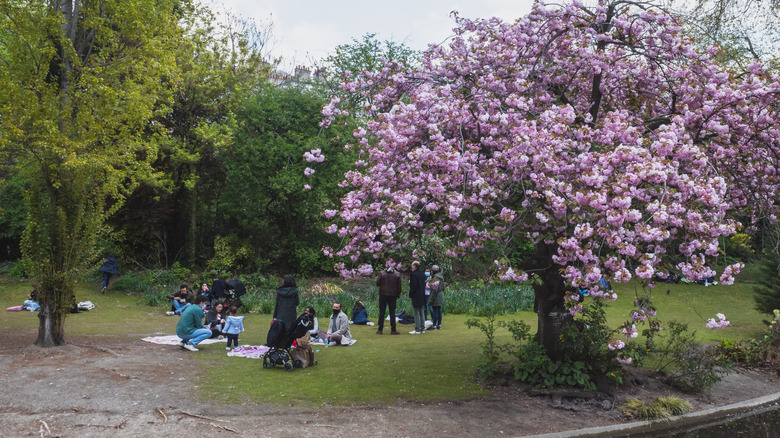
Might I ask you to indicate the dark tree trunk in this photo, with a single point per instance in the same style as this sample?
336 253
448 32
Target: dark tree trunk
552 316
51 328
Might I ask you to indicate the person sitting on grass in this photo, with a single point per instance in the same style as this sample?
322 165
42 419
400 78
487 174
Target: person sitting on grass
314 332
360 314
190 327
215 319
179 301
338 330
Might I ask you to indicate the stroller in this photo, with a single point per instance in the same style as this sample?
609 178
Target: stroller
280 339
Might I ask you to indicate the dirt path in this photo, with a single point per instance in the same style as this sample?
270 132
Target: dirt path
116 388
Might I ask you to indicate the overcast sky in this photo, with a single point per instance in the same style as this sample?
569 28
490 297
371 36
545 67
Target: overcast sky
309 30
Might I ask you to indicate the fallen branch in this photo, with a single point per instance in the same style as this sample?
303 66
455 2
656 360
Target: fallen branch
165 417
41 431
223 427
201 416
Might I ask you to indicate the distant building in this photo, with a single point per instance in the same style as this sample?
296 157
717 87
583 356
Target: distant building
302 74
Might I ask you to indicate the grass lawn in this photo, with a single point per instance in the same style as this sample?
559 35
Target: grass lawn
439 365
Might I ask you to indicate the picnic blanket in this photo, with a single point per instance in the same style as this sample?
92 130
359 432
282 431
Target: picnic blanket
319 342
249 351
175 340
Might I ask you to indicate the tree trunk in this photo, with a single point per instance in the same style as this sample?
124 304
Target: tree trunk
193 225
51 328
552 317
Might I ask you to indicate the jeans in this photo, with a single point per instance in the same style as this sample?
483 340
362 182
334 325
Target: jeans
179 307
436 315
106 277
425 307
419 322
232 338
197 336
386 302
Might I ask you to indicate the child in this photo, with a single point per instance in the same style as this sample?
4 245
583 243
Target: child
360 315
233 326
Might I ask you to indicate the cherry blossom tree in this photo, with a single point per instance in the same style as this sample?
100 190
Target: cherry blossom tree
601 134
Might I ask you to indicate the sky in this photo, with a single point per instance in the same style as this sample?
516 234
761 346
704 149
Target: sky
308 31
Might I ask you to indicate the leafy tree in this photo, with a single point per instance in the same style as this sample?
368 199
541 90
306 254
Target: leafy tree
80 80
266 197
599 133
743 30
220 66
365 55
767 295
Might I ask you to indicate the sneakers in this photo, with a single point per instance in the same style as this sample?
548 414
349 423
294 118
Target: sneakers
331 344
379 332
433 327
438 327
169 313
190 347
182 344
395 333
415 332
104 290
228 348
369 323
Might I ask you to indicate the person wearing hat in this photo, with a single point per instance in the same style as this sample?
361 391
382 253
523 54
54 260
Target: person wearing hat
389 282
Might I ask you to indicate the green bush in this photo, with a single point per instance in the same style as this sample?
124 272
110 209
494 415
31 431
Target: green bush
686 363
14 269
536 368
767 295
586 341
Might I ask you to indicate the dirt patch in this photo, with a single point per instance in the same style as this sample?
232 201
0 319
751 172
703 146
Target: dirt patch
116 388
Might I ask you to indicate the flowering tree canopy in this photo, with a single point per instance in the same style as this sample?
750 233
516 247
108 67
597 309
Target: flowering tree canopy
600 134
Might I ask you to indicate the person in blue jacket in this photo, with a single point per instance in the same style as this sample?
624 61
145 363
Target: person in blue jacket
110 267
360 314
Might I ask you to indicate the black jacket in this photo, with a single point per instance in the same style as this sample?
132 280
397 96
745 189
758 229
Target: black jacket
417 288
287 301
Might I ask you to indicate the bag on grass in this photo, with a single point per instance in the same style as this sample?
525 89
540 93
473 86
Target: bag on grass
303 357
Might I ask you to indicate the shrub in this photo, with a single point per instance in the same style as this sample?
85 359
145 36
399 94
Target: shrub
662 407
686 363
767 295
587 341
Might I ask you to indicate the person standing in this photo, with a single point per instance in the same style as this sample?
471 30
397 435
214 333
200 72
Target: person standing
417 295
190 326
110 267
437 296
286 308
234 326
389 282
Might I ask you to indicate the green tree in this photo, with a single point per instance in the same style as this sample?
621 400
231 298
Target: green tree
744 30
80 80
220 66
367 54
265 200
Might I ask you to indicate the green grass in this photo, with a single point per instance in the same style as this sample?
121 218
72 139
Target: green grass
439 365
685 300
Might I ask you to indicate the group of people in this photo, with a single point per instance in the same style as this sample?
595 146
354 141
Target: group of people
426 291
286 309
221 318
192 331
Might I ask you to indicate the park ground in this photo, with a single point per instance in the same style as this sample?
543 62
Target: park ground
113 384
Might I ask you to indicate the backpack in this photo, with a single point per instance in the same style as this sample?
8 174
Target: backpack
303 357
